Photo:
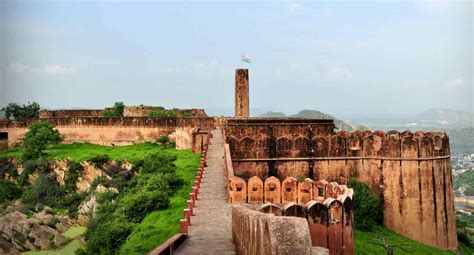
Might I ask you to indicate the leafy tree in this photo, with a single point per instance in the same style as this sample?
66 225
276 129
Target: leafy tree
39 136
115 111
368 207
22 112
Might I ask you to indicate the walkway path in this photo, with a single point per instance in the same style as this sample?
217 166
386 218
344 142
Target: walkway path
210 232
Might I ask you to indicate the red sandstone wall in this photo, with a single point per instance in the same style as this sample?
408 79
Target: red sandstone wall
411 171
117 131
45 114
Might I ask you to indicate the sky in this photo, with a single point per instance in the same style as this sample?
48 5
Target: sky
346 58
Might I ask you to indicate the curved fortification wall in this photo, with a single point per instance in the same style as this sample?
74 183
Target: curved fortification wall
411 171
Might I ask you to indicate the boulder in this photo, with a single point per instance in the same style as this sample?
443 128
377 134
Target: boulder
44 218
60 240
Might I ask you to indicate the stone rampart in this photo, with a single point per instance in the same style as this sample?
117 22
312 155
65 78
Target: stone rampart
254 232
114 130
411 171
328 207
47 114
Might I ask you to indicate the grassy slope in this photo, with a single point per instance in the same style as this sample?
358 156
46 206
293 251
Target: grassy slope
158 226
66 250
402 244
85 151
73 232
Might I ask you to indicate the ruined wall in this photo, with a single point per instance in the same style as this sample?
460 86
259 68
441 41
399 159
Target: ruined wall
144 111
116 131
412 172
242 93
46 114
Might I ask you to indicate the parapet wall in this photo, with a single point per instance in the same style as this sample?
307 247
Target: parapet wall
411 171
254 232
328 207
46 114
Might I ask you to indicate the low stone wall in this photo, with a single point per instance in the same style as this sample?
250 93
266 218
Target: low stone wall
254 232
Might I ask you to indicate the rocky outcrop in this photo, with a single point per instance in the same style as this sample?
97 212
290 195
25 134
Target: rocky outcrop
41 231
89 175
88 208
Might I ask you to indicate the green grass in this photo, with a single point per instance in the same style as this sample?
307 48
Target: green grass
402 244
66 250
72 232
159 226
85 151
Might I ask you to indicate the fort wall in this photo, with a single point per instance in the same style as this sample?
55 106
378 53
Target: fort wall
411 171
115 131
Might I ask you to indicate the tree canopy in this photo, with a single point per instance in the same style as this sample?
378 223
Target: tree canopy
22 112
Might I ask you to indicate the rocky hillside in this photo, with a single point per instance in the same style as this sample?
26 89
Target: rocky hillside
314 114
446 117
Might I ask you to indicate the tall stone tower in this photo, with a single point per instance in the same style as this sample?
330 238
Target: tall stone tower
242 93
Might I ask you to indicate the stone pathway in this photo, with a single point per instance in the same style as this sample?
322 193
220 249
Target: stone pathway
211 230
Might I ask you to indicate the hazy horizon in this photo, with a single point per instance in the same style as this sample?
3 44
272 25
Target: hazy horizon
347 59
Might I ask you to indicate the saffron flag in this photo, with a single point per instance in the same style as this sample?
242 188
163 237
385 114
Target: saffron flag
245 59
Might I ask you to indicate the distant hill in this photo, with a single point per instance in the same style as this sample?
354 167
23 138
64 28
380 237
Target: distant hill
447 117
271 114
313 114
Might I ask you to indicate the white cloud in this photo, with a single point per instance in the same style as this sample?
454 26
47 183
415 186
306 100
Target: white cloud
294 7
47 70
455 83
209 65
339 74
168 70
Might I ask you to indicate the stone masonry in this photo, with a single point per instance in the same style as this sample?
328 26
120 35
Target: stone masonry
211 230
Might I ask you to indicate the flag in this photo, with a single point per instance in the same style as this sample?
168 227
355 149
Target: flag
245 59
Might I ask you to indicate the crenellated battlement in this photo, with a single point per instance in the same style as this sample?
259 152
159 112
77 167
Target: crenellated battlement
410 171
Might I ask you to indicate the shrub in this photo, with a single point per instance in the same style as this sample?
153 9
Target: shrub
107 236
45 190
75 170
115 111
156 163
71 202
164 139
135 207
39 136
368 207
8 191
106 196
162 112
99 160
7 167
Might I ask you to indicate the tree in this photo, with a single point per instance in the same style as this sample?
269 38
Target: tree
22 112
368 207
39 136
45 190
115 111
